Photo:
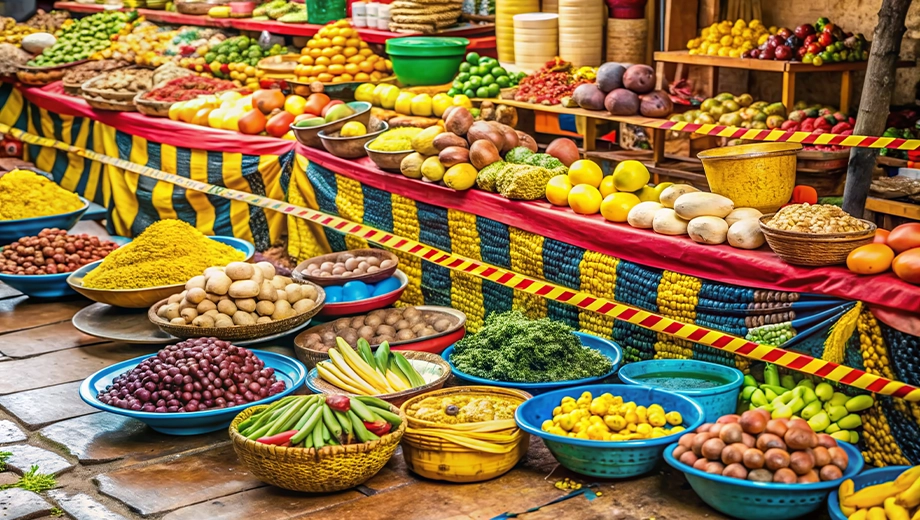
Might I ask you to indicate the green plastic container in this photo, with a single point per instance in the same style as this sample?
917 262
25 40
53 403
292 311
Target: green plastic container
426 60
321 12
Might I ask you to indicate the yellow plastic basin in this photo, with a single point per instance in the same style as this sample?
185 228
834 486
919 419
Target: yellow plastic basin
759 176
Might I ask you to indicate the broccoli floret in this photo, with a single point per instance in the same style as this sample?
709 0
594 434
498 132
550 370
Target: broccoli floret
511 347
518 155
543 160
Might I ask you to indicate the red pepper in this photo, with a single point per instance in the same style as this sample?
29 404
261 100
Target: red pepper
280 439
339 402
379 427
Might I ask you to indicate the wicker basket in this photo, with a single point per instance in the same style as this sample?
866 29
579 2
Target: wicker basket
378 276
627 40
397 398
110 95
104 104
238 332
151 108
329 469
197 8
44 75
813 250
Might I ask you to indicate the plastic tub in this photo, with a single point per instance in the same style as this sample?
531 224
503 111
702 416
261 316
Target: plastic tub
426 60
763 500
759 176
716 401
607 459
13 230
866 479
605 346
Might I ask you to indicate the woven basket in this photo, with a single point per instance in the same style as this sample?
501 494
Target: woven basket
329 469
397 398
378 276
237 332
151 108
815 250
627 40
103 104
110 95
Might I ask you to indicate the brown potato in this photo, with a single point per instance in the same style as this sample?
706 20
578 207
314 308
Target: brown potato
678 451
373 320
776 427
441 325
821 455
830 472
688 458
405 335
735 471
730 433
341 323
827 441
716 429
839 457
801 424
698 442
767 441
686 440
801 462
716 468
386 330
712 449
760 475
357 322
784 476
809 478
753 458
775 458
366 332
733 453
392 318
748 440
752 422
401 324
704 428
765 414
700 463
799 439
730 418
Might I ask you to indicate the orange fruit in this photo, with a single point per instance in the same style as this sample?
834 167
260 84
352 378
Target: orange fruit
318 69
324 42
904 237
380 65
353 42
585 171
907 265
316 53
615 207
338 59
337 49
557 190
366 66
357 58
347 77
312 44
306 60
362 76
606 187
349 51
336 69
306 70
870 259
329 52
363 45
339 40
352 69
324 77
348 32
366 52
323 60
881 236
337 79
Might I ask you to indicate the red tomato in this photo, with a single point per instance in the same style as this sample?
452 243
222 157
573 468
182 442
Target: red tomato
315 104
907 266
881 236
870 259
904 237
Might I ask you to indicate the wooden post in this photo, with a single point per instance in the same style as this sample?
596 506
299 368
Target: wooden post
873 105
789 90
846 91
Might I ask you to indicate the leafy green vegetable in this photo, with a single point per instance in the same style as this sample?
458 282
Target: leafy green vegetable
511 347
57 511
3 456
518 154
33 481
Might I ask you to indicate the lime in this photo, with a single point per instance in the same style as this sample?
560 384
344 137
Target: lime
472 58
463 76
494 90
499 72
475 82
503 81
233 57
465 67
453 92
469 93
457 84
467 85
483 92
474 71
488 79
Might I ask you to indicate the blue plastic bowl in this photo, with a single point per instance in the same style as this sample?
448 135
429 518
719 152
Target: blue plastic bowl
607 459
716 401
762 500
287 369
868 478
13 230
39 285
605 346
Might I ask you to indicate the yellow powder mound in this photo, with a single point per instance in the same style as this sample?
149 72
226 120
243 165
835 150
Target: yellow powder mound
25 194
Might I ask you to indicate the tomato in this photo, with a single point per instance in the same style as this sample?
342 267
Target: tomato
907 266
904 237
870 259
881 236
316 103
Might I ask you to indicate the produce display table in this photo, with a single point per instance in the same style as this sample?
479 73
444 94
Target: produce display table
724 289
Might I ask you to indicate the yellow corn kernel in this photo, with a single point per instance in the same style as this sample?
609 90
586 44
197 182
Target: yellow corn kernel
580 426
557 410
676 429
631 428
674 418
558 431
596 432
571 434
630 406
567 422
615 422
617 437
617 400
606 396
655 408
642 413
607 436
567 399
581 435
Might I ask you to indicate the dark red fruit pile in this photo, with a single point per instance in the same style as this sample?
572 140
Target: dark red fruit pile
53 251
550 84
187 87
194 375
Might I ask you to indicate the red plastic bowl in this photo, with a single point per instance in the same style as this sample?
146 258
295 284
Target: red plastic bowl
339 309
434 345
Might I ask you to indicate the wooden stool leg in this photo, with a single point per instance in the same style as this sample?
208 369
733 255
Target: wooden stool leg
788 90
846 90
587 127
658 138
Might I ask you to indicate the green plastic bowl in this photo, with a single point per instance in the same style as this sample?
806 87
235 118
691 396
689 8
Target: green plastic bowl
426 60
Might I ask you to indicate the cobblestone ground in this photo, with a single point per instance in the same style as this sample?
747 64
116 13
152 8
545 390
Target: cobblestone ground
112 468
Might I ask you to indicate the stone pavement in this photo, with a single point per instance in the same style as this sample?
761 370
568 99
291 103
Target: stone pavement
112 468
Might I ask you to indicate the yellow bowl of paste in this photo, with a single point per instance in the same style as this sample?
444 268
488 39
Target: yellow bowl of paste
759 176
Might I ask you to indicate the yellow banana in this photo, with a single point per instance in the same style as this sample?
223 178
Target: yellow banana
895 512
346 369
361 367
876 513
331 368
916 515
910 497
846 489
395 381
908 477
873 496
330 377
860 514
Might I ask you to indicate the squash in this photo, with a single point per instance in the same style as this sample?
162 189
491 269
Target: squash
423 142
745 234
701 204
707 230
643 214
666 222
742 214
672 192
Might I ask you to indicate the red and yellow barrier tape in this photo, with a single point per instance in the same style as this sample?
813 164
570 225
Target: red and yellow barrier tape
702 335
782 136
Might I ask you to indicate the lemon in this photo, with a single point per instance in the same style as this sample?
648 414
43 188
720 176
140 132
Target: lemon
587 172
607 187
420 105
557 190
616 206
461 176
353 129
584 199
630 176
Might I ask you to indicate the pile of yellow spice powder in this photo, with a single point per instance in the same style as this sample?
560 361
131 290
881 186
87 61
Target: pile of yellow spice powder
26 194
168 252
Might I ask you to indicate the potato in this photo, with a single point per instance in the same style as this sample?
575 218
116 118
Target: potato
753 458
267 292
830 472
735 470
734 453
784 476
748 440
172 311
727 419
776 427
264 319
678 451
809 478
304 305
185 304
293 292
686 440
800 439
702 204
283 310
689 458
700 463
712 449
246 304
257 276
268 270
309 291
839 457
767 441
698 442
265 308
666 222
739 214
776 458
175 298
239 271
672 192
821 455
215 297
203 321
243 289
707 230
745 234
278 282
642 214
716 468
704 427
178 321
210 271
242 318
226 307
196 295
801 462
195 281
752 422
223 321
731 434
161 312
760 475
218 283
827 441
206 306
213 313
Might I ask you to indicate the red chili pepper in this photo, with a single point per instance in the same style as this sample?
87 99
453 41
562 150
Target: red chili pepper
379 427
339 402
279 439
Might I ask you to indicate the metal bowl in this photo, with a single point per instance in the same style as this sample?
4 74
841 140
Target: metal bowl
309 136
389 161
350 147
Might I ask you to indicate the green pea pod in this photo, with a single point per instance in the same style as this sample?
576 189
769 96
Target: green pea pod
747 392
842 435
787 382
362 411
807 383
854 438
778 390
782 412
335 429
796 404
360 430
325 432
839 399
290 417
837 412
832 429
811 409
370 400
317 435
343 420
771 375
388 416
770 395
315 416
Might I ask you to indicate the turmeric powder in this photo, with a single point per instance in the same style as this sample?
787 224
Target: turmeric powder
168 252
26 194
